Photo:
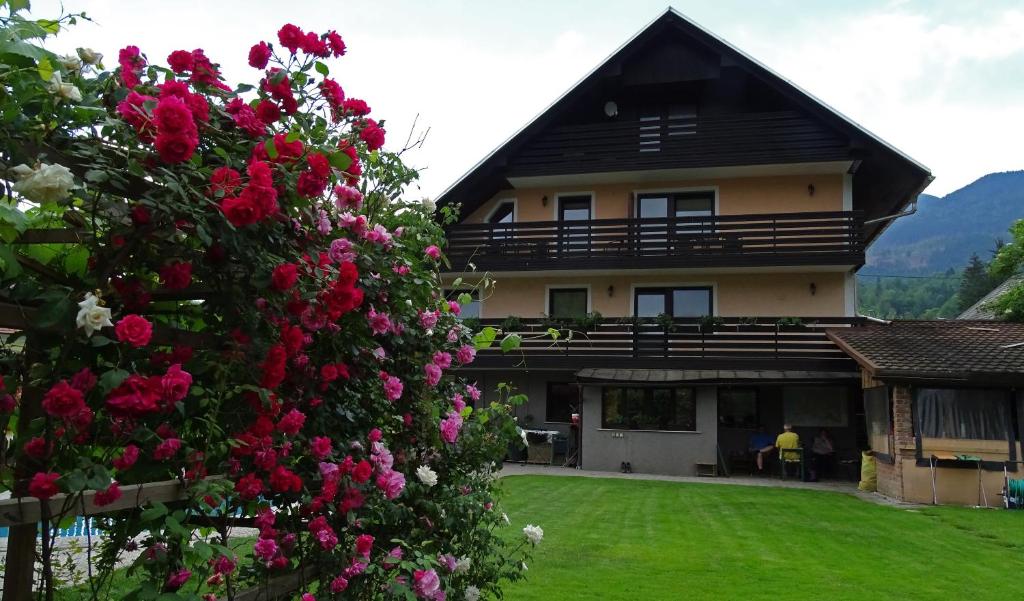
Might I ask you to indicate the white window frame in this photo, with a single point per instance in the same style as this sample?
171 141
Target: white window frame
560 195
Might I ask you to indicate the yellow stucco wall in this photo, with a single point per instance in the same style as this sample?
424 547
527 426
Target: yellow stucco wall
736 295
736 196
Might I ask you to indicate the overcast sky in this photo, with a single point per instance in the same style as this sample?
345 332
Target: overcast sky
942 81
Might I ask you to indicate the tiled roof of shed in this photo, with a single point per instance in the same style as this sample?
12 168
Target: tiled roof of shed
957 351
980 310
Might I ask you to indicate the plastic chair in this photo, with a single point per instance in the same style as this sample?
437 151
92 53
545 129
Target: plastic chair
786 458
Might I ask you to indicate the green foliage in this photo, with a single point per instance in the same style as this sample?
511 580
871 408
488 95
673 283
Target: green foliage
976 282
909 298
1008 262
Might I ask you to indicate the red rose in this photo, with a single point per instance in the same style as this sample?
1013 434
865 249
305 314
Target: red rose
140 215
357 107
273 367
180 61
175 147
259 55
292 338
224 179
108 496
84 380
173 116
318 163
373 135
137 396
249 486
362 471
320 447
240 211
127 458
37 448
134 329
176 275
43 485
310 185
364 544
291 423
167 449
267 111
284 480
63 400
175 383
291 37
284 277
335 42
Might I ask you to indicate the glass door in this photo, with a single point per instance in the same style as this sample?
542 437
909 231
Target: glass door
573 230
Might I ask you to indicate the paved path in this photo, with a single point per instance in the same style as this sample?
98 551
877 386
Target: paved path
850 488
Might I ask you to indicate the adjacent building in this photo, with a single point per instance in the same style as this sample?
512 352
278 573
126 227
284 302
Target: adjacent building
689 223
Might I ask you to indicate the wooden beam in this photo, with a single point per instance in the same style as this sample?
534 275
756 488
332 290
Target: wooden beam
28 510
50 236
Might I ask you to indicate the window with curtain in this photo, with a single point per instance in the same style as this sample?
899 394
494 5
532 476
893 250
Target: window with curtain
649 408
962 413
877 419
567 302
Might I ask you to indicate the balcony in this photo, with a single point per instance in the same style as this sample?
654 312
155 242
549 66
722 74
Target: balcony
823 238
772 343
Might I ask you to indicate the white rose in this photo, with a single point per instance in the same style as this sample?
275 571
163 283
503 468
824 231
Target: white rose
91 316
534 534
71 62
89 56
462 564
522 435
429 205
49 183
472 593
22 171
504 518
426 475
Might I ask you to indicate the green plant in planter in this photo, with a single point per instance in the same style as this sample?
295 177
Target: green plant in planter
512 323
666 321
473 323
793 322
709 323
589 322
747 321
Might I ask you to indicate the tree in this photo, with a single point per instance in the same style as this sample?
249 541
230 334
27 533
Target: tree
222 286
1008 262
976 282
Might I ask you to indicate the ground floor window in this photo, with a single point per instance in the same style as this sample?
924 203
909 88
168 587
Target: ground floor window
562 401
568 302
816 406
737 407
649 408
978 414
878 419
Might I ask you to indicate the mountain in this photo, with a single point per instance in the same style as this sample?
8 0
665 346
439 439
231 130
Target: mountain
945 231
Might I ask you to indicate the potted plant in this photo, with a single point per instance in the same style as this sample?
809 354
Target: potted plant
512 323
589 322
709 323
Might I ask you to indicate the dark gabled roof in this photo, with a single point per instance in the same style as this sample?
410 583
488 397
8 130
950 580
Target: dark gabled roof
979 310
484 179
955 351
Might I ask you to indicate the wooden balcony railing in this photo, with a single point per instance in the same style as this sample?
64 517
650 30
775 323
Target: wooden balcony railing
729 343
819 238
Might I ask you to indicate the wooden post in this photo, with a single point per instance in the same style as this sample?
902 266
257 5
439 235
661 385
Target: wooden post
19 568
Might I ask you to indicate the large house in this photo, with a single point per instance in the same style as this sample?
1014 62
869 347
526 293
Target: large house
690 223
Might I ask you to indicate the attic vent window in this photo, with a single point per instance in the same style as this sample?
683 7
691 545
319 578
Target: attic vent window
650 133
660 125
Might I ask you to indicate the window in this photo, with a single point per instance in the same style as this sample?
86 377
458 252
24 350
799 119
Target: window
878 419
676 302
636 408
574 238
470 310
562 401
737 407
679 219
676 204
818 406
568 302
574 208
977 414
504 213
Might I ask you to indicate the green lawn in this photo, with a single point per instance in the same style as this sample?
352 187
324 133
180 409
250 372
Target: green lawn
629 539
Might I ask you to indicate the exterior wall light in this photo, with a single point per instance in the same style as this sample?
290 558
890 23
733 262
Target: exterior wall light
814 289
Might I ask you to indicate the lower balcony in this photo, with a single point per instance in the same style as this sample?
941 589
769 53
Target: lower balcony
788 343
824 238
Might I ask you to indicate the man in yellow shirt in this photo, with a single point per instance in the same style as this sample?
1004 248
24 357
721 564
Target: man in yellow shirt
788 440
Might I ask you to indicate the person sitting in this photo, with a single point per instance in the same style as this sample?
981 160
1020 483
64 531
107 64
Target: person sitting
822 452
760 443
788 440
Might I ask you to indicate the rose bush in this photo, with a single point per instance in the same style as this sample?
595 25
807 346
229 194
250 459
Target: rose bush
240 299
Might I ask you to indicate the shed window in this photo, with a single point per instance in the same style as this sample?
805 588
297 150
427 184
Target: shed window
964 413
878 419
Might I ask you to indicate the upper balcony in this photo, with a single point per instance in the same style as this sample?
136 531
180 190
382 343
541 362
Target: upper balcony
805 238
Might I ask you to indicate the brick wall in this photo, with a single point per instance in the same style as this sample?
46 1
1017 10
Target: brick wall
890 475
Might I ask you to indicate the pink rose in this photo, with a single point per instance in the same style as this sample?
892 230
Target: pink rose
433 252
432 373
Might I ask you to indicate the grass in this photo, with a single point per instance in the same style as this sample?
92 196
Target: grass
628 539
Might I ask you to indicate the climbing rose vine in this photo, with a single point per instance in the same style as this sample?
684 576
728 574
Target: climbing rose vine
239 299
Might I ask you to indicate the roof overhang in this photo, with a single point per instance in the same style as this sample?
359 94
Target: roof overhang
707 376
